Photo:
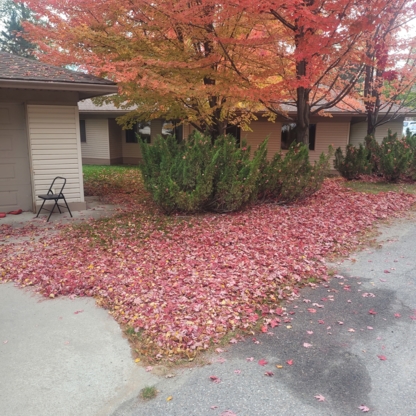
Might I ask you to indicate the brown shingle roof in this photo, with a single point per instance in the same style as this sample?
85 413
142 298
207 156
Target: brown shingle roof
13 67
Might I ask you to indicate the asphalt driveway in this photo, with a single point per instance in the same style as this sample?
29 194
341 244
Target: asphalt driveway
350 344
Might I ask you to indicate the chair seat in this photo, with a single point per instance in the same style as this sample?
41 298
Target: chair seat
50 196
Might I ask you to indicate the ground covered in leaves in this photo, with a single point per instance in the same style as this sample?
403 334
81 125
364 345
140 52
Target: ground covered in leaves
182 283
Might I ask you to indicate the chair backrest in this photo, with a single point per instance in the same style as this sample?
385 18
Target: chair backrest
53 190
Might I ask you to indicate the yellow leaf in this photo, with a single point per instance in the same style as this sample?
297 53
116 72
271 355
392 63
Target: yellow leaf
169 398
279 366
289 326
137 360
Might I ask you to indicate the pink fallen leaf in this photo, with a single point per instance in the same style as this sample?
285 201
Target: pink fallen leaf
309 332
214 407
215 379
370 327
306 300
340 323
311 310
264 328
263 362
372 312
279 311
221 360
237 371
351 330
306 345
397 315
233 341
383 280
269 373
321 321
386 271
149 368
5 342
320 398
382 357
219 350
250 358
364 409
228 413
77 312
413 317
289 362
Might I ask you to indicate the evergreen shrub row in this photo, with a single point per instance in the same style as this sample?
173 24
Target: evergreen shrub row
197 175
393 158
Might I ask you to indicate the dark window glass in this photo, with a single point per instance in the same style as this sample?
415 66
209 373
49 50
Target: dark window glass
83 131
172 128
142 130
234 131
288 135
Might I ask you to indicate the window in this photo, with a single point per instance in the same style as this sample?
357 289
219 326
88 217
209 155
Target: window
234 131
172 128
141 129
83 131
289 132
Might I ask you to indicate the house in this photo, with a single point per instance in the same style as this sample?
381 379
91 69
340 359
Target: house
39 130
105 142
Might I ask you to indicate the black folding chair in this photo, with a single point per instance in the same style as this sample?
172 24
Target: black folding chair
52 195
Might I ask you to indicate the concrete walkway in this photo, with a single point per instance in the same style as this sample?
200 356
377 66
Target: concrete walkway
62 357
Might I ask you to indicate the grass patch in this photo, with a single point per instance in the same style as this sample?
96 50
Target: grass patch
148 392
377 187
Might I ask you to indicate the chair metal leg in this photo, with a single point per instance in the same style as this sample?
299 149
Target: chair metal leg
56 204
41 207
67 207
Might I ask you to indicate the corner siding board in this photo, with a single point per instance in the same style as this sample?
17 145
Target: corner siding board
55 151
97 144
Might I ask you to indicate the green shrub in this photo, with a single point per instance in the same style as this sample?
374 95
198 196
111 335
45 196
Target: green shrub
373 149
411 142
292 177
395 157
355 163
198 175
236 174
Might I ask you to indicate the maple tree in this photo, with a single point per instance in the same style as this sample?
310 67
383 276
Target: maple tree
328 47
210 63
390 70
170 58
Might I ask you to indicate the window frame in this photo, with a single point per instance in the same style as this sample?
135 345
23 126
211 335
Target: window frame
285 144
82 131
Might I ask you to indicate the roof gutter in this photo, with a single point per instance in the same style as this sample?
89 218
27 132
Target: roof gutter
91 89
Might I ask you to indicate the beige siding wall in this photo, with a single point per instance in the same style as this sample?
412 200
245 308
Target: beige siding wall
261 130
131 151
359 131
115 134
97 144
55 149
329 133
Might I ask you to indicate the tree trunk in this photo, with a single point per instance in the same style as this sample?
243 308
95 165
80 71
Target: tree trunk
303 107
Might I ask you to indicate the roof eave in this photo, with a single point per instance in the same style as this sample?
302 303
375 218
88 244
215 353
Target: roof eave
86 90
